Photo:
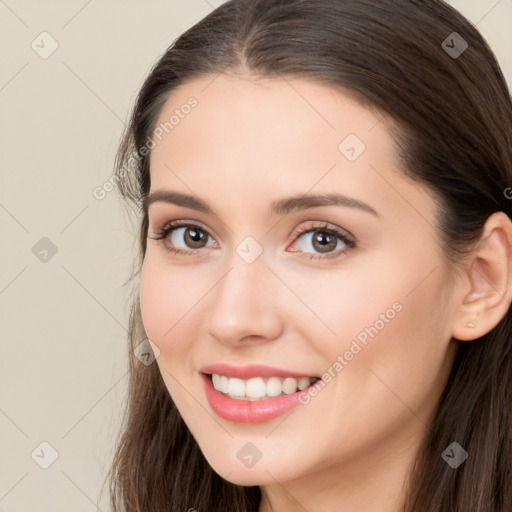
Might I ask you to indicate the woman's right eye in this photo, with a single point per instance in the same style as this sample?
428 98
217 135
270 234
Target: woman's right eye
192 236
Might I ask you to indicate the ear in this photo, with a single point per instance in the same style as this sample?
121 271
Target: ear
487 281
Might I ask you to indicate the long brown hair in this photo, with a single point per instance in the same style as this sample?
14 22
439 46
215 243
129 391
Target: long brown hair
454 112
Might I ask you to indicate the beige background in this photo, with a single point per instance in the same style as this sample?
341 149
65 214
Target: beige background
63 321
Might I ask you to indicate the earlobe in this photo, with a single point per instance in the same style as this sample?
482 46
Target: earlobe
489 279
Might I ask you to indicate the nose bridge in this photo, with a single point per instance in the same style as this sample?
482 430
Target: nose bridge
243 303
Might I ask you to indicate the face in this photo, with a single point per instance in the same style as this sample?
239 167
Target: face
265 288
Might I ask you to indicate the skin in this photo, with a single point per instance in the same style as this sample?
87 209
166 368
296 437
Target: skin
251 141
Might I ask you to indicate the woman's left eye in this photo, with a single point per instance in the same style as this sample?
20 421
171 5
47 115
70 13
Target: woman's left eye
323 238
329 241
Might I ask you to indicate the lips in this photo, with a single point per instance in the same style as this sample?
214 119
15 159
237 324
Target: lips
250 411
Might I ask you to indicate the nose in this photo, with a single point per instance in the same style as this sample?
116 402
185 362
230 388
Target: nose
245 304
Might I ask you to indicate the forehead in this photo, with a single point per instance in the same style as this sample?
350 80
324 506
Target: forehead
276 109
251 120
243 140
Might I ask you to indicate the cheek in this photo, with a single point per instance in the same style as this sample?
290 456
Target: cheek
403 361
388 362
391 314
168 319
162 301
172 302
350 299
153 302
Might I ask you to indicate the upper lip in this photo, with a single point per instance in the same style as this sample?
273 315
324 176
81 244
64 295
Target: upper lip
250 371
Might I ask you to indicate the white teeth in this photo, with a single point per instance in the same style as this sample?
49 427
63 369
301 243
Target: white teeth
256 388
224 384
304 382
236 387
289 385
274 387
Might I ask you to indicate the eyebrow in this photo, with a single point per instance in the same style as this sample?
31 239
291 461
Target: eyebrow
280 207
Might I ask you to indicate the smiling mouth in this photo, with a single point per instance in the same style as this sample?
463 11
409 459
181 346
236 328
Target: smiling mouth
259 388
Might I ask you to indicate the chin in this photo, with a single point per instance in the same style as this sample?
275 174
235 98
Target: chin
249 476
263 472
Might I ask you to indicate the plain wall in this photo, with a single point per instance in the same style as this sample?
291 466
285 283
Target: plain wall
64 316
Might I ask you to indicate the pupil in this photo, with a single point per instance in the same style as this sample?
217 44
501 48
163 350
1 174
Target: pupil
324 237
194 235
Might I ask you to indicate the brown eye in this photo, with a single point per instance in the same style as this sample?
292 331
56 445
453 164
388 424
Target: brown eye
323 241
184 239
193 237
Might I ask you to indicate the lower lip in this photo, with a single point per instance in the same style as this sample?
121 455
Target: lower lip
247 411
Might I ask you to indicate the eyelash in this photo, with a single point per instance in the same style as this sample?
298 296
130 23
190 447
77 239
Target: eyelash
323 227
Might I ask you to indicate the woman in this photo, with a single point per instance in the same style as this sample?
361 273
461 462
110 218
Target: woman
325 269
